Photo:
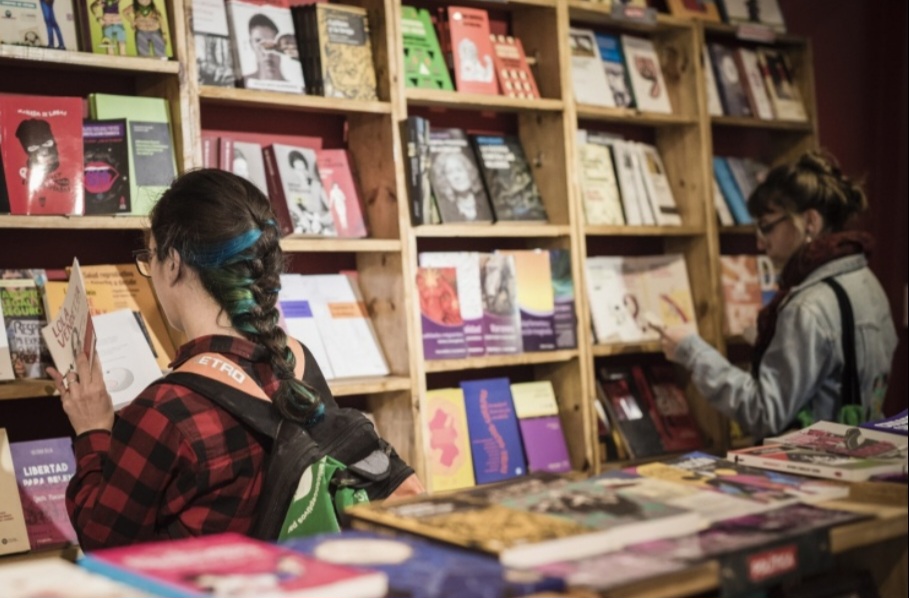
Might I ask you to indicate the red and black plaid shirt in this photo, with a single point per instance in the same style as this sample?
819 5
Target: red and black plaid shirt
175 464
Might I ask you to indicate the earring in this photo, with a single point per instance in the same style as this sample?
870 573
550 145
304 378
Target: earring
807 239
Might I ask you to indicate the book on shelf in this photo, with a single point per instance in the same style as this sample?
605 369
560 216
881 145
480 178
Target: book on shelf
336 172
598 184
535 299
442 326
646 74
781 85
450 455
13 529
610 49
106 152
702 10
6 361
714 105
152 154
564 318
24 315
455 178
43 470
750 73
668 406
421 569
230 564
755 12
507 174
127 360
495 438
70 331
295 302
618 391
894 424
630 177
470 294
211 39
501 313
515 78
415 136
245 159
42 154
471 50
211 149
265 49
723 214
729 81
656 183
151 30
46 577
296 190
424 62
587 73
39 23
608 290
735 200
541 429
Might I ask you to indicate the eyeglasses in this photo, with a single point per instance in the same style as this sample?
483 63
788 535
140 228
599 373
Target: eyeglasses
143 261
766 228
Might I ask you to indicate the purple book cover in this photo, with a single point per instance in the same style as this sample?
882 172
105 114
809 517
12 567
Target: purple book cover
43 470
536 302
495 440
501 316
440 314
544 444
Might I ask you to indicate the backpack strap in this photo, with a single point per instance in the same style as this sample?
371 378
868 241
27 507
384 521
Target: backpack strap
850 390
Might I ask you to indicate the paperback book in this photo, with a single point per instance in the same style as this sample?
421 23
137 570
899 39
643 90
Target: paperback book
501 313
471 50
470 295
442 327
13 530
24 316
264 45
424 63
495 439
450 456
106 148
211 35
455 178
509 181
71 332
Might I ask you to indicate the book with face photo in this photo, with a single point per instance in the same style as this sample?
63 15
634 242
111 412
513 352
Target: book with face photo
296 190
265 46
455 178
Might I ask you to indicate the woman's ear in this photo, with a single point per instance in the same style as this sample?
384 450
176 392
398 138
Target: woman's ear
814 223
173 266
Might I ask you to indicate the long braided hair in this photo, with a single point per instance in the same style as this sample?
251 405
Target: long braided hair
223 226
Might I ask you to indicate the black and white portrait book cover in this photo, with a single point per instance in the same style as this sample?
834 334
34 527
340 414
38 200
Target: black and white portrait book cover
455 178
265 46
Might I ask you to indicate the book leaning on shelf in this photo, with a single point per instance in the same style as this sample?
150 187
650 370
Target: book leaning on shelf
13 530
455 178
265 52
26 23
424 62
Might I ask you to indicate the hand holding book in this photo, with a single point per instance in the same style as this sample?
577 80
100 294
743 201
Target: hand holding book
670 336
84 395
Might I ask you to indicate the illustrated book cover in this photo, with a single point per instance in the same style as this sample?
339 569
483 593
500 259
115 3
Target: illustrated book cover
343 52
587 74
646 74
536 302
565 318
509 181
541 429
729 81
599 187
442 327
470 295
24 315
43 470
297 194
450 457
668 407
781 86
629 412
741 293
818 463
127 360
40 23
516 80
424 63
495 439
106 149
471 50
343 196
610 48
244 158
211 36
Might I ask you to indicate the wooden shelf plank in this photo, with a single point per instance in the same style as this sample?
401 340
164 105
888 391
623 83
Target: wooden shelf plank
65 59
601 14
475 101
372 385
731 31
492 361
506 229
26 389
627 348
633 116
644 231
210 94
75 222
757 123
330 245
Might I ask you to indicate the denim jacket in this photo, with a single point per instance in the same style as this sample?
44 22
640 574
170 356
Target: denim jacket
804 361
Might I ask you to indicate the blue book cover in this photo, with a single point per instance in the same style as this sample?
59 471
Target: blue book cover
614 64
495 439
420 569
731 192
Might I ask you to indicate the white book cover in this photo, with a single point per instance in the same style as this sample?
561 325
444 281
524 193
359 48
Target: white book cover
307 200
714 105
612 319
24 23
587 74
13 532
6 361
126 357
71 330
646 75
470 294
248 163
344 325
656 182
264 45
781 87
295 300
667 289
58 577
628 178
751 74
210 16
599 187
842 439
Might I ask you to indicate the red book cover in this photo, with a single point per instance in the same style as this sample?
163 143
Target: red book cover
471 50
276 192
668 408
515 77
41 148
343 197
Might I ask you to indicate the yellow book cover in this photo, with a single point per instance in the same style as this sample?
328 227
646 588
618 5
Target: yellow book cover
536 298
534 399
13 533
450 459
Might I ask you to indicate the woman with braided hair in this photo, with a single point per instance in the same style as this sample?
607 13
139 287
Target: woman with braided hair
173 463
801 361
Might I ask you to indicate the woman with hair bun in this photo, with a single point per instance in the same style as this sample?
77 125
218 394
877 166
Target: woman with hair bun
173 463
804 212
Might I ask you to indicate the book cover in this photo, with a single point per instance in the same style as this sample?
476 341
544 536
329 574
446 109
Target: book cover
455 178
471 49
48 577
211 36
501 313
127 360
420 569
656 182
450 456
149 22
13 530
587 73
345 52
564 319
152 160
470 294
611 300
759 12
628 411
534 399
664 290
41 23
729 81
603 572
415 135
265 49
629 175
295 301
781 86
106 167
508 178
495 441
703 10
610 49
714 105
817 463
544 444
842 439
244 158
741 294
514 75
24 315
6 361
43 470
599 186
745 176
343 197
424 63
646 74
731 192
296 190
535 299
230 564
42 153
723 214
668 407
750 73
70 331
895 424
442 327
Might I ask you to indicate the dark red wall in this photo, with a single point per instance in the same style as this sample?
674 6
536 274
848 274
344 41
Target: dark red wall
861 61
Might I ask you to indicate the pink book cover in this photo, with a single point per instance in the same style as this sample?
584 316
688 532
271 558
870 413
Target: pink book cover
42 153
471 50
230 564
343 197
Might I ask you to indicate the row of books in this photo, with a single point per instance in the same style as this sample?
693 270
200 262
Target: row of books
761 13
101 26
66 155
455 177
617 71
735 179
623 182
313 190
500 303
315 48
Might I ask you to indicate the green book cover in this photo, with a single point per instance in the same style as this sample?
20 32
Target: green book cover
152 160
424 64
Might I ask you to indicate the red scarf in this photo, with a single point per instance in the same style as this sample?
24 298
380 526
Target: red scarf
806 260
